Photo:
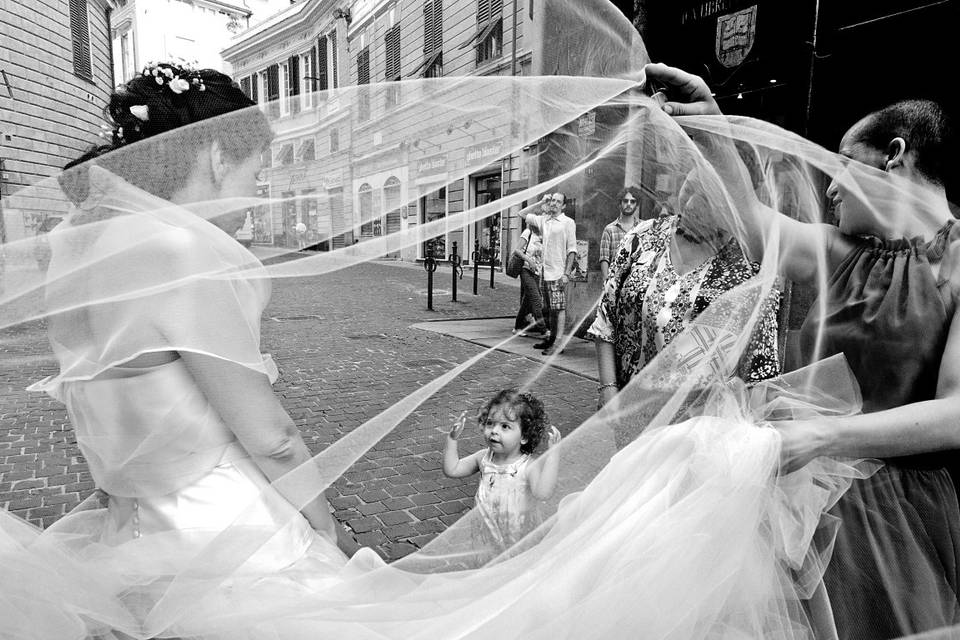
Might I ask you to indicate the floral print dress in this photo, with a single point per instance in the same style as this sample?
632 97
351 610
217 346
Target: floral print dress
647 305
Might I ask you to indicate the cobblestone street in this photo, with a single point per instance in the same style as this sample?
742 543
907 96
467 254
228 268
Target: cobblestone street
346 351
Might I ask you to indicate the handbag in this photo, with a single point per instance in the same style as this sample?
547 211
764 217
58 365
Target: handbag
515 262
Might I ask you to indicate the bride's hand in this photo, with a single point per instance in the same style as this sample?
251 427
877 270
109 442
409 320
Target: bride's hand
801 441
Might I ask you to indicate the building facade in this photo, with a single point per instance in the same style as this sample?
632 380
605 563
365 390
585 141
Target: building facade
369 181
55 78
192 30
290 64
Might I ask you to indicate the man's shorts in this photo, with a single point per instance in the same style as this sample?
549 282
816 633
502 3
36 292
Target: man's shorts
555 293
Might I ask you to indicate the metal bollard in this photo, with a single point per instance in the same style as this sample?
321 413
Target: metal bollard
493 265
475 256
430 265
456 270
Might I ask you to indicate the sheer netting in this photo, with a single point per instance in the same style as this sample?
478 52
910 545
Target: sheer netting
674 515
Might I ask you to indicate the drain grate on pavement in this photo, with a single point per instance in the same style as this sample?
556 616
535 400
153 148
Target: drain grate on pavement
295 318
367 336
419 364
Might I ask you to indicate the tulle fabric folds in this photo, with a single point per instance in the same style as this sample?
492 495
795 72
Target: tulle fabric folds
686 533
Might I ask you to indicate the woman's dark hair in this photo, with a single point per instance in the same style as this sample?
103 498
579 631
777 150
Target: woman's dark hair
924 126
525 408
164 98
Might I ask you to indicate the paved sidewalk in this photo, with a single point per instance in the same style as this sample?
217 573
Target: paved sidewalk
349 345
578 355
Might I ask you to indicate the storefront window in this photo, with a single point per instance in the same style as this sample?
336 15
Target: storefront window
262 224
487 231
433 207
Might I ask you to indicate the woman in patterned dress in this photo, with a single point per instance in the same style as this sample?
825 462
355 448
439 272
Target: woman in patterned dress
667 271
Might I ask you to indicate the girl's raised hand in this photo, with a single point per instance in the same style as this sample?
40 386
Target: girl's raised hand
458 426
553 438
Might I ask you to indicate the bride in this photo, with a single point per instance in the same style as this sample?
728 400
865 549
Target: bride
210 520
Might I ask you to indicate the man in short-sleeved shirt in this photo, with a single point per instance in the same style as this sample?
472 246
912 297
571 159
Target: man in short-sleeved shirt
628 201
559 255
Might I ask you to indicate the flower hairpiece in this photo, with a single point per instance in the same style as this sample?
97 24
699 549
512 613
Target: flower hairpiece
177 77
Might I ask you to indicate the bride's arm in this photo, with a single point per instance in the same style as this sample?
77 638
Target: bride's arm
248 406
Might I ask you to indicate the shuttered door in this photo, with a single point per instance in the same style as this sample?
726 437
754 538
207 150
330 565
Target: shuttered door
335 81
322 64
293 77
427 27
273 89
273 83
363 77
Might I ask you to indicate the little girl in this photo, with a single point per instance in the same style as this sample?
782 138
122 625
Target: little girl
511 480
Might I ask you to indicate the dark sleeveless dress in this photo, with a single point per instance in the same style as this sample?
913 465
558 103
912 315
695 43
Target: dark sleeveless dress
895 569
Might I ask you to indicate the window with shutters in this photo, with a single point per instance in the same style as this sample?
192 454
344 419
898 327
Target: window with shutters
322 77
488 38
285 154
432 65
80 33
307 151
245 86
363 78
392 74
491 46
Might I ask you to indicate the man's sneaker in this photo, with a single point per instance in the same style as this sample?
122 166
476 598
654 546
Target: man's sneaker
551 350
543 345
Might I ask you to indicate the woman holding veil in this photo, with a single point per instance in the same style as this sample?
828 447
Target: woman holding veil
889 308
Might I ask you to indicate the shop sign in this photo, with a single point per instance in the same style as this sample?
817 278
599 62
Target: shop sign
735 35
432 165
484 153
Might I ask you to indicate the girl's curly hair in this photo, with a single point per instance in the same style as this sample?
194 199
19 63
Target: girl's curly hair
526 409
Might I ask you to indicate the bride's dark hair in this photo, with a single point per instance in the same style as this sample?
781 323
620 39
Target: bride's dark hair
163 98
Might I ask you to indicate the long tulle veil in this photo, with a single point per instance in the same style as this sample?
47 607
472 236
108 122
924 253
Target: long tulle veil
687 532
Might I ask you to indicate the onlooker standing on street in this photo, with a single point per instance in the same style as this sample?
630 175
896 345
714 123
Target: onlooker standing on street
301 236
628 201
530 314
559 254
